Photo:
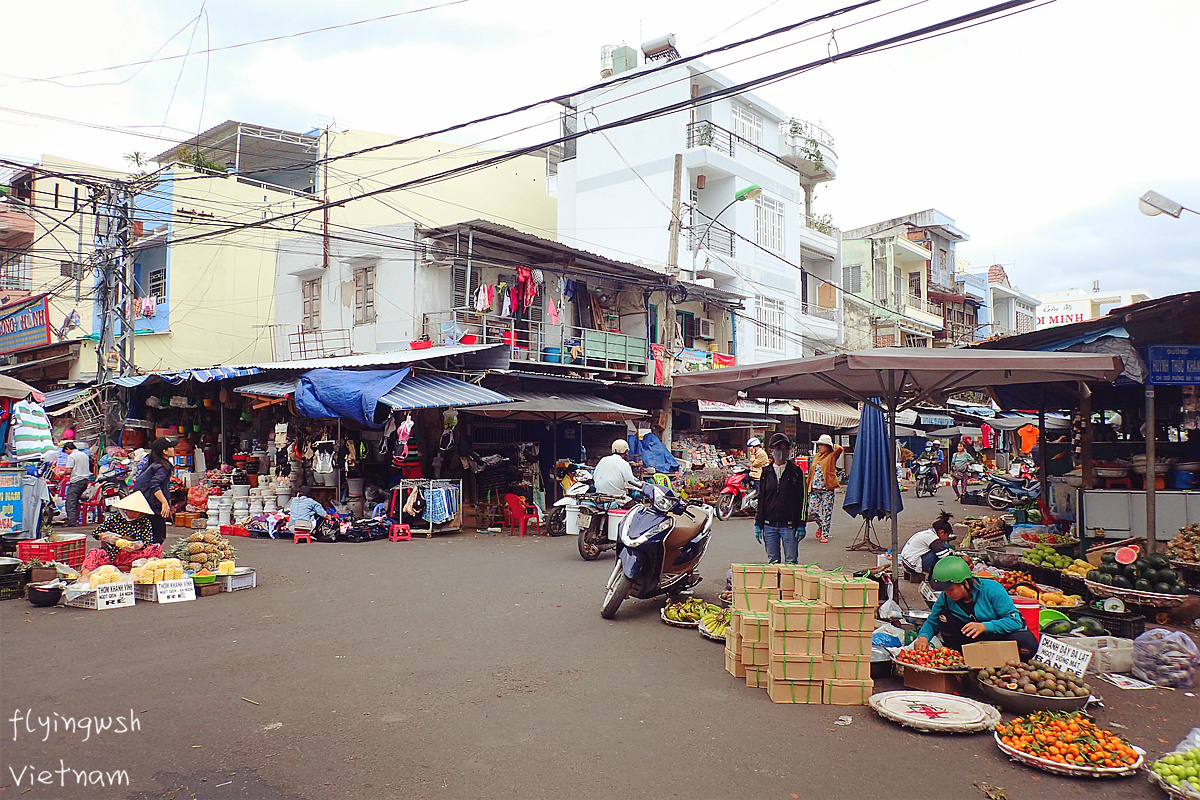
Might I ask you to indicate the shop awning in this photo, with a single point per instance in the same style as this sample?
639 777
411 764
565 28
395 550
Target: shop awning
60 397
828 413
956 430
439 391
563 407
199 375
747 421
269 388
743 406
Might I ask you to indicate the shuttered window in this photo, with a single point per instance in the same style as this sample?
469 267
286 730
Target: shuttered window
769 313
465 286
364 296
310 312
768 219
852 278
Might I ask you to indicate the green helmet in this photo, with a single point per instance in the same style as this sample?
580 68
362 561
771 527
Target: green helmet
948 570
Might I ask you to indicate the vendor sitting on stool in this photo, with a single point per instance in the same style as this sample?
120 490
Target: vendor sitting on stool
972 609
924 548
305 509
127 536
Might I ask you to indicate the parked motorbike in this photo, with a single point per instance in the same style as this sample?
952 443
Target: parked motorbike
1005 491
738 496
926 477
591 508
569 477
661 542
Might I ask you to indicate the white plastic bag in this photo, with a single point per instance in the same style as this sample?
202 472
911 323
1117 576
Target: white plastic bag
890 608
1166 658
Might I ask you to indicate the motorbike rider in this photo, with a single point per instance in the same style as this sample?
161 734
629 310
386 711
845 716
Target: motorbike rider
782 504
924 548
972 609
613 471
758 460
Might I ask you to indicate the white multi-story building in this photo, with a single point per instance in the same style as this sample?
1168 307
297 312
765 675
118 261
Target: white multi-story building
1012 310
615 190
1078 305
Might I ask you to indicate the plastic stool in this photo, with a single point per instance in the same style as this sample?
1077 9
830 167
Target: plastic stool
399 533
302 536
87 509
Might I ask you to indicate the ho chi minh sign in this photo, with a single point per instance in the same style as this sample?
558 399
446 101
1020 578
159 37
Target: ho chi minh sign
1174 365
25 324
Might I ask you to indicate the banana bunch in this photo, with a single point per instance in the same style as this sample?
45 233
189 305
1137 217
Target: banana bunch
690 610
716 620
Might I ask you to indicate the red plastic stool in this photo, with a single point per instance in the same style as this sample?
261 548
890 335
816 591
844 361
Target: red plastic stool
90 513
399 533
302 536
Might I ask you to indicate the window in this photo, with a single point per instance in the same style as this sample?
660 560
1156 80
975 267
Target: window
852 278
685 322
747 125
769 313
364 295
14 271
879 283
310 312
465 286
156 284
914 284
915 340
652 323
943 260
768 223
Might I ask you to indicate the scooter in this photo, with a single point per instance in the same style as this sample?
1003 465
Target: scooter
573 476
661 544
592 510
926 477
1005 491
738 496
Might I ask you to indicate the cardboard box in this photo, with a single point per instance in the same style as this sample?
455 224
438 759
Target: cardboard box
849 668
932 681
734 665
794 644
807 692
755 600
787 577
848 643
803 668
787 594
848 693
756 677
753 627
978 655
850 619
844 591
208 590
756 655
808 583
754 576
798 615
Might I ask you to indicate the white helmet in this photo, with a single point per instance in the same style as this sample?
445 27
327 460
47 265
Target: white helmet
754 442
620 446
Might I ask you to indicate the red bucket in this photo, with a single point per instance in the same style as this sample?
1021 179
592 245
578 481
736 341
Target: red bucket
1031 611
468 338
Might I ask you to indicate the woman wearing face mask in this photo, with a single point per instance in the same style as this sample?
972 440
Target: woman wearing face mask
822 480
781 504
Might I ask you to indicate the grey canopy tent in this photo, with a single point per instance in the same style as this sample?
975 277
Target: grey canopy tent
894 379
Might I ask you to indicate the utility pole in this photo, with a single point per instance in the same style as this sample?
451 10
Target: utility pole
115 287
669 304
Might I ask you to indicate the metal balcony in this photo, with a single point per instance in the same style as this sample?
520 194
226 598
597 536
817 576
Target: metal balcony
707 134
809 148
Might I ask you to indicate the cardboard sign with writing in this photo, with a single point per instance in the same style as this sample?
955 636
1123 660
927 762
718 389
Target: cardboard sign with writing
978 655
1062 656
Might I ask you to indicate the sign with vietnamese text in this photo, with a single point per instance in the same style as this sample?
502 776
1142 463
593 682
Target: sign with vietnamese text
25 324
1174 365
11 507
1062 656
1051 314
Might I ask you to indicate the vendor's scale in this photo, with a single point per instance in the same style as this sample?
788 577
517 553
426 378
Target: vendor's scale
934 712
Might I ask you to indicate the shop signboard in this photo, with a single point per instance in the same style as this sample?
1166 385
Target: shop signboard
11 507
1174 365
1050 315
25 324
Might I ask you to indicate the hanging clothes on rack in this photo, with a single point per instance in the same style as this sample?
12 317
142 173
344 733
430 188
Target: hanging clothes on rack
440 505
323 455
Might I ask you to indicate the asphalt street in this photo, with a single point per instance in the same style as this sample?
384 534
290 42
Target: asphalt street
467 666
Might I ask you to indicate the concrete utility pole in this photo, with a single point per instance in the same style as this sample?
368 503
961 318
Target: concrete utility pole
116 281
669 304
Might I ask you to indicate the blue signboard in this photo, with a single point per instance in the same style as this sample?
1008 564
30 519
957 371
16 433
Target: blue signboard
1174 365
24 324
11 507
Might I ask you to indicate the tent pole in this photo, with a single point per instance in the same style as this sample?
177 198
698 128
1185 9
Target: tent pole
893 486
1042 455
1151 475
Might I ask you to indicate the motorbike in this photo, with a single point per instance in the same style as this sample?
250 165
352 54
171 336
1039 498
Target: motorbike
738 496
591 508
926 477
574 475
1006 491
661 542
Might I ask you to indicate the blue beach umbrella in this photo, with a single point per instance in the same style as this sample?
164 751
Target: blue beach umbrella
868 492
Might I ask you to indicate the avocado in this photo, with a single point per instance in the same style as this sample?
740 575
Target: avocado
1143 585
1091 626
1163 588
1108 558
1121 582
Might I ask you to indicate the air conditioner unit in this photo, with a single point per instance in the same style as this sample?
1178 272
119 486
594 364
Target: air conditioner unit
707 330
435 252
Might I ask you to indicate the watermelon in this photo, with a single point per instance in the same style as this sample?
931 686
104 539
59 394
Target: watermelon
1163 588
1168 575
1158 560
1092 626
1143 585
1094 575
1108 558
1127 555
1121 582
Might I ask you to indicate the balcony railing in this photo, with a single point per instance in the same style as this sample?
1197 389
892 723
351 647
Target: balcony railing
813 310
716 238
582 348
820 223
809 130
289 342
706 134
920 304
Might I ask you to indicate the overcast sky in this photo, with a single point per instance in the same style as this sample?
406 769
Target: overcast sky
1036 133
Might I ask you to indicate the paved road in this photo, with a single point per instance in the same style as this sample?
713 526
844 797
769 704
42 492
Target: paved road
468 666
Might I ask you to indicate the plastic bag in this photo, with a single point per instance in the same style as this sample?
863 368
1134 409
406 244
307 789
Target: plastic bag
1166 658
198 498
890 608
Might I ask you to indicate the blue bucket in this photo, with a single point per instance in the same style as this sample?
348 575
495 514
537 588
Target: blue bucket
552 354
1182 479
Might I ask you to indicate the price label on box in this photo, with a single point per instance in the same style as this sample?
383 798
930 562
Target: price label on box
176 591
1063 656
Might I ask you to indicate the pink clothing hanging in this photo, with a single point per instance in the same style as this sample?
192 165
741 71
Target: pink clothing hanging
552 309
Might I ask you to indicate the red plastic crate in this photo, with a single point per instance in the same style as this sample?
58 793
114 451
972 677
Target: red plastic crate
234 530
69 551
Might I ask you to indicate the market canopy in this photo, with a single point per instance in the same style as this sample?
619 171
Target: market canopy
18 390
1054 422
560 407
181 376
827 413
439 391
956 430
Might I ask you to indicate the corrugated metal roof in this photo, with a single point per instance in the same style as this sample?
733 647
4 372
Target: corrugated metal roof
567 407
200 375
60 397
438 391
269 388
394 357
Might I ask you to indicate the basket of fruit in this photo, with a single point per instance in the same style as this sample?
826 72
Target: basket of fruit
941 660
1029 686
686 614
1053 540
1067 743
1185 546
714 623
1178 774
1143 580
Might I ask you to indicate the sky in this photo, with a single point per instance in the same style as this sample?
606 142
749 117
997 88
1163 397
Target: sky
1036 132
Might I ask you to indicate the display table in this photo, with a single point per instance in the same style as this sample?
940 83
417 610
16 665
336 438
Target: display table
1121 513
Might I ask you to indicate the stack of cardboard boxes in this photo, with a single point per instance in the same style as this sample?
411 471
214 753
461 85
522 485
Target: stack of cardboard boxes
802 633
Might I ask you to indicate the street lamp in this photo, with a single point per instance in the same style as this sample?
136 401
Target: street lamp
751 192
1152 204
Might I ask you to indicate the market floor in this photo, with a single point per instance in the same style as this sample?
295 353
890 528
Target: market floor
468 666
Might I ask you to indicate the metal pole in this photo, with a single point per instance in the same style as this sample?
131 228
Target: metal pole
1042 456
893 487
1151 477
669 304
1085 460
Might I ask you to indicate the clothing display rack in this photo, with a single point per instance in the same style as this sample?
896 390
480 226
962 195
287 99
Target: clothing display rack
443 501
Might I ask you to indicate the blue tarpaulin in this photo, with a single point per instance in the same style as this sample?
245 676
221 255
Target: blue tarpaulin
655 455
348 394
868 491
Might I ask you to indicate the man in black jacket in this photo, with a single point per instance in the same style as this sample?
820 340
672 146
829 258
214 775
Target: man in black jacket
782 504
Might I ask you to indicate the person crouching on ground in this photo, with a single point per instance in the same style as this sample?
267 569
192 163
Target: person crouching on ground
127 536
972 609
782 504
304 509
923 549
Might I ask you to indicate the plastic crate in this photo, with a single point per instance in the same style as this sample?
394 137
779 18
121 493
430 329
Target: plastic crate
106 596
70 550
12 586
233 583
234 530
1122 626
